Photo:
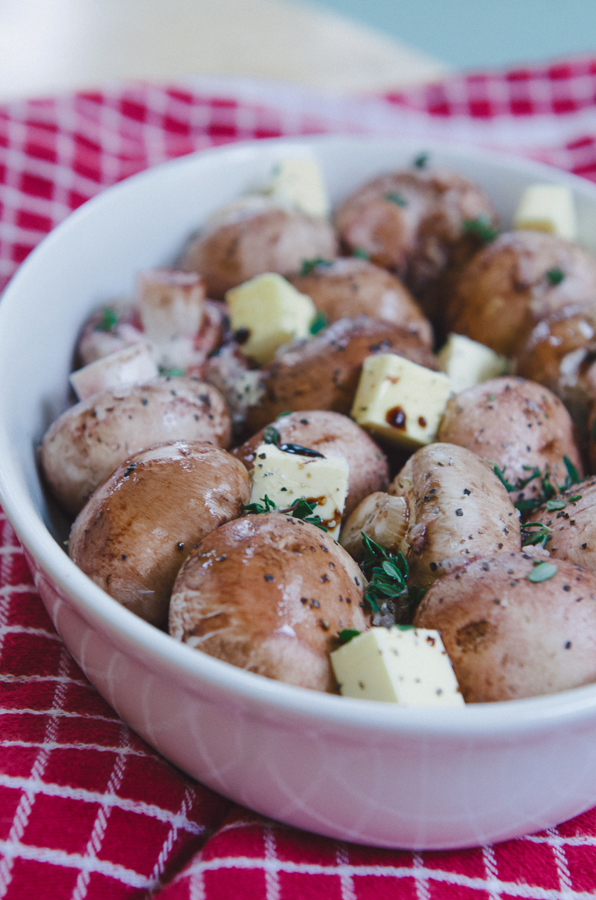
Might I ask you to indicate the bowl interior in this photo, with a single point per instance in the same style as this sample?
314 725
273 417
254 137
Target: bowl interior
93 257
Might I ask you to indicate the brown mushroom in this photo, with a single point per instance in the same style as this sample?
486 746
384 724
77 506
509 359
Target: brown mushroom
509 637
138 528
269 593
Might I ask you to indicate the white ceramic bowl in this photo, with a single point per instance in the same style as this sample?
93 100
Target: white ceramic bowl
360 771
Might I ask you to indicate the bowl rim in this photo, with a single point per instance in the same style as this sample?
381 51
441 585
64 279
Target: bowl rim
194 670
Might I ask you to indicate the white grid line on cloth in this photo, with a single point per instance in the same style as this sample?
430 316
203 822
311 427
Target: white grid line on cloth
34 679
16 134
492 872
60 714
16 850
561 864
41 168
582 840
6 551
272 886
101 820
29 785
166 849
420 882
66 792
76 745
30 631
196 883
346 881
513 889
8 589
109 137
155 136
65 175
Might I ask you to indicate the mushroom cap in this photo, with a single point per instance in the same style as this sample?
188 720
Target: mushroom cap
269 593
141 524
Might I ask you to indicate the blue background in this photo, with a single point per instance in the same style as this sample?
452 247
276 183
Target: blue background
479 33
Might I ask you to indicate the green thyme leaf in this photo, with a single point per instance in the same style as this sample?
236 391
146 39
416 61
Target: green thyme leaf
266 506
271 435
421 160
574 498
481 228
532 538
346 635
572 473
109 319
302 509
557 503
555 276
308 265
319 322
396 198
542 571
171 373
360 253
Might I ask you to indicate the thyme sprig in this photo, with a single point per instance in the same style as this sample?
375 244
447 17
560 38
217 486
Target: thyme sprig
299 509
533 538
481 228
549 494
387 594
108 321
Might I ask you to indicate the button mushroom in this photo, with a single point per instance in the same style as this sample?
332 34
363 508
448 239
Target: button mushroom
517 425
515 627
141 524
458 510
90 439
269 593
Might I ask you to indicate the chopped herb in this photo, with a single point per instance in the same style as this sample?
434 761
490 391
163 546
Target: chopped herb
308 265
319 322
574 498
109 319
555 276
266 506
271 435
421 160
360 253
557 503
171 373
346 635
542 571
532 538
387 593
286 412
481 228
396 198
572 473
302 509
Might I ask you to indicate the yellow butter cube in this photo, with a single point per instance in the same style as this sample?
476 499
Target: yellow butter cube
285 477
547 207
299 183
402 665
400 400
268 311
468 362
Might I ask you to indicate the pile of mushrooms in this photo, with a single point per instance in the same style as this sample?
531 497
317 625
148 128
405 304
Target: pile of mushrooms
492 522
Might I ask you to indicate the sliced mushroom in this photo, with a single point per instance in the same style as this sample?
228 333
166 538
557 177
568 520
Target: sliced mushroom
382 517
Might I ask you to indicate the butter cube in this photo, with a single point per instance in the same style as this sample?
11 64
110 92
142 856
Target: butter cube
285 477
547 207
468 363
400 400
300 183
272 312
401 665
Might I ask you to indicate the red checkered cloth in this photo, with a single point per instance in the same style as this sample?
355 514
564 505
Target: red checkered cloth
86 808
